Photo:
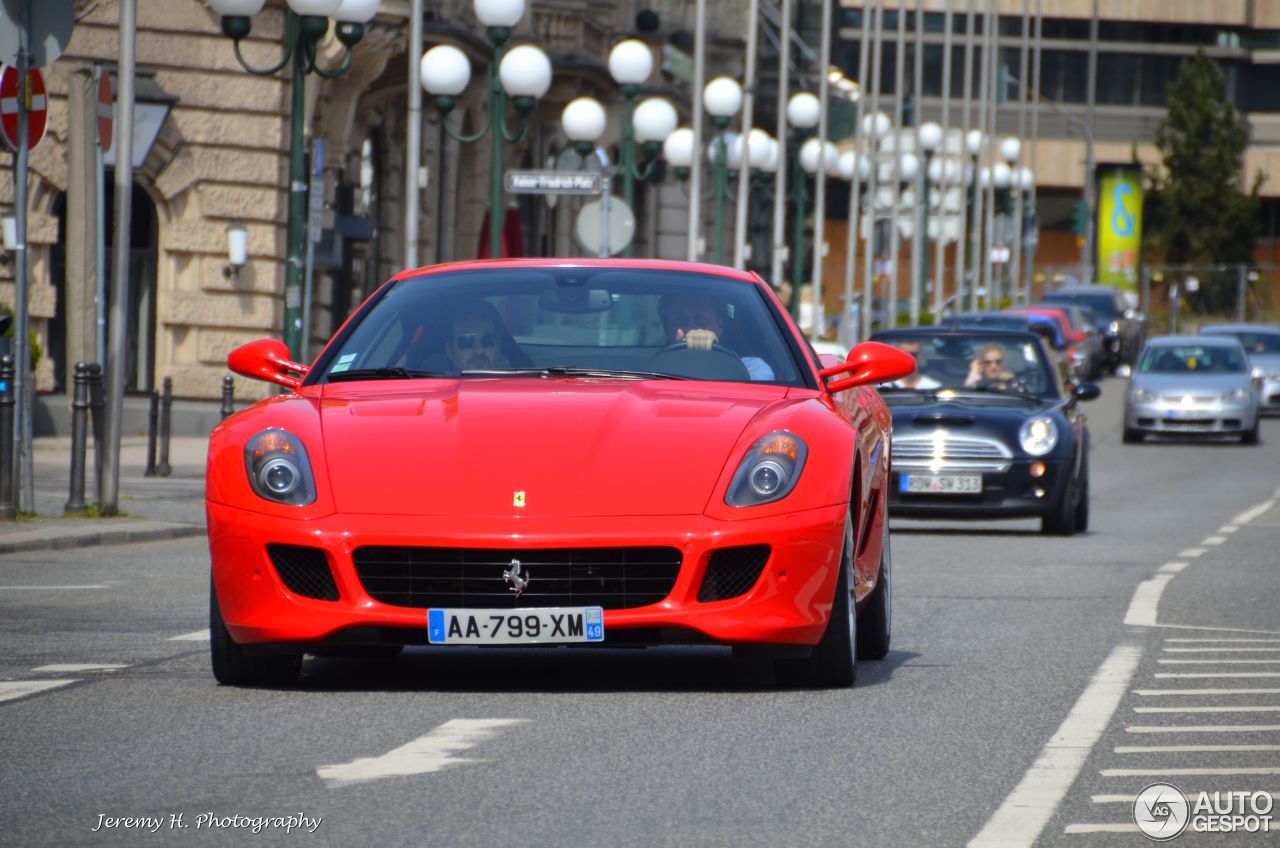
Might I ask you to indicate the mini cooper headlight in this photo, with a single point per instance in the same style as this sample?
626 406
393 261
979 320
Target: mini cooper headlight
1236 395
769 471
278 468
1141 395
1038 435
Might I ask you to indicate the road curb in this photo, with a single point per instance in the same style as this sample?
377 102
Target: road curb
92 538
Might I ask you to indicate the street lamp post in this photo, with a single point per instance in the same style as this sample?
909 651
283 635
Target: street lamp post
630 64
306 22
815 155
722 98
803 113
522 73
974 141
930 136
1011 150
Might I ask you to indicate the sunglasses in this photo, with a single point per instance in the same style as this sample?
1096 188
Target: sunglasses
466 341
993 362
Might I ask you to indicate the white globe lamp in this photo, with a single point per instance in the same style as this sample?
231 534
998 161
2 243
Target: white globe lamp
525 73
803 110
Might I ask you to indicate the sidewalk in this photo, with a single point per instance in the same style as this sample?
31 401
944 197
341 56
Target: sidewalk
152 508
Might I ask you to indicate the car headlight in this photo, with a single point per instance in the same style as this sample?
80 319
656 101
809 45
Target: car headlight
278 468
1038 435
1113 328
769 471
1141 395
1258 373
1236 395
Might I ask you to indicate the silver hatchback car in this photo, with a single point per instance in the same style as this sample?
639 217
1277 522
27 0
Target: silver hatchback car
1262 346
1192 385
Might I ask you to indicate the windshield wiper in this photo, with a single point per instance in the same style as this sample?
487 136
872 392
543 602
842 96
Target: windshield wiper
569 371
380 374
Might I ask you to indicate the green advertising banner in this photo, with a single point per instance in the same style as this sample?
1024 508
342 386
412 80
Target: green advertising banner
1120 227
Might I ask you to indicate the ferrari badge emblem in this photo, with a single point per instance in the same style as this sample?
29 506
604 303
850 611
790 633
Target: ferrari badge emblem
512 576
517 498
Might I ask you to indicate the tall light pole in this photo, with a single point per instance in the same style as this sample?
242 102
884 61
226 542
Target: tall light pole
630 64
930 137
802 114
722 98
974 143
1011 150
522 73
306 22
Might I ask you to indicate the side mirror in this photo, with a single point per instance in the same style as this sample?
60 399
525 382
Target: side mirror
1087 391
869 362
267 359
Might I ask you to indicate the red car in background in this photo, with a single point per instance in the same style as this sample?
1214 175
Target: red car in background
1077 352
556 451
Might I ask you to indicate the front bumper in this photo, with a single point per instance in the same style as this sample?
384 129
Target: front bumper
788 604
1007 494
1173 418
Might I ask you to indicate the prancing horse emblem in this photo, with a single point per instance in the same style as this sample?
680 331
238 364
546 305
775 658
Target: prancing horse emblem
512 576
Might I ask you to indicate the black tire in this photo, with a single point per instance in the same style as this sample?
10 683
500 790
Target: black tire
1062 520
233 667
1250 436
1082 505
834 662
1132 436
875 619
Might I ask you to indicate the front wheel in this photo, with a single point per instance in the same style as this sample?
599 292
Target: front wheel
875 621
834 662
1061 521
233 667
1250 436
1132 436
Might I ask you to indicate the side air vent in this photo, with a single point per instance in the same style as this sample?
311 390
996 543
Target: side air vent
732 572
305 571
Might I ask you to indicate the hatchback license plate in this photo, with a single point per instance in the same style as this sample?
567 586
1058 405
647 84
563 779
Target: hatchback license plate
546 626
940 484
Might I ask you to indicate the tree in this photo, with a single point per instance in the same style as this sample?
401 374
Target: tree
1199 213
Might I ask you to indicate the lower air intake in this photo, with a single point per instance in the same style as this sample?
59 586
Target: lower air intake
305 571
732 572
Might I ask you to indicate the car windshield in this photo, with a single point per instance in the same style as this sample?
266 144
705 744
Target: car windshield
567 321
1102 305
977 361
1256 341
1192 359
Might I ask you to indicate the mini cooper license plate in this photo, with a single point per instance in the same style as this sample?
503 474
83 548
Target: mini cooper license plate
940 484
546 626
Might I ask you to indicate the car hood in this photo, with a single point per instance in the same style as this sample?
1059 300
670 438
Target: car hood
989 413
1191 384
563 447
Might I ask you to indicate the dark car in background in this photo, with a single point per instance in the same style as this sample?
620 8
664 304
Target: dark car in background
1262 345
1123 329
987 429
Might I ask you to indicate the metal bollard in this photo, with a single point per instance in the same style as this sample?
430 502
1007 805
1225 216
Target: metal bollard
228 395
8 499
98 412
153 416
79 437
163 468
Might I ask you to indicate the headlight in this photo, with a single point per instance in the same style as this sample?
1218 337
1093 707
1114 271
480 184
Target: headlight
278 468
1113 328
1038 435
1258 373
1237 395
1141 395
769 471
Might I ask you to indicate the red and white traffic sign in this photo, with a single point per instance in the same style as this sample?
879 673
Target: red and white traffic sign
37 106
105 112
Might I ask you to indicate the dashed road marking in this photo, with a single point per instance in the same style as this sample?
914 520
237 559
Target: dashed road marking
1174 772
1192 552
52 588
1219 674
1250 514
1215 650
1178 749
1248 709
1206 692
1129 799
1205 728
429 753
1214 540
1146 601
1268 641
1228 528
76 668
13 689
1172 567
1130 827
194 636
1217 662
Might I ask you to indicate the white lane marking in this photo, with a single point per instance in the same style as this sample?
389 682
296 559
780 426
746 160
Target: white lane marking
11 689
1221 674
1216 650
1205 728
1220 629
193 636
1228 528
1185 771
1214 540
1248 709
1031 804
1172 567
1129 799
1206 691
1216 661
1175 749
1192 552
1267 641
1131 827
1250 514
428 753
76 668
51 588
1146 601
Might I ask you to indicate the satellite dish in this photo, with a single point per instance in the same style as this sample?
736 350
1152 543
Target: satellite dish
622 226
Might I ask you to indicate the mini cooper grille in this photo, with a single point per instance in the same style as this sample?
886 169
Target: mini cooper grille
732 572
613 578
305 571
950 453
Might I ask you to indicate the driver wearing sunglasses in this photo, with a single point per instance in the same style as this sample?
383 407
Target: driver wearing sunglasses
474 341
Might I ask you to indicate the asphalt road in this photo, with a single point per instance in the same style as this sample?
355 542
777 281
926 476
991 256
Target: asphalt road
1011 709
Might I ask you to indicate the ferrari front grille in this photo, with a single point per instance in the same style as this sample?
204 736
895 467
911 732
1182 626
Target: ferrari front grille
612 578
941 451
732 572
304 571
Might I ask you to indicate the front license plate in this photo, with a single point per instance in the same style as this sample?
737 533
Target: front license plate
940 484
548 626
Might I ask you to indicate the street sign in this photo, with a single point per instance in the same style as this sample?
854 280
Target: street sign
50 30
37 106
551 182
105 112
